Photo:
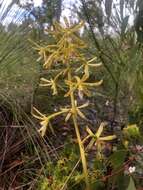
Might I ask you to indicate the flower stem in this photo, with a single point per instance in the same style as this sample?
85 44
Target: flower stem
81 147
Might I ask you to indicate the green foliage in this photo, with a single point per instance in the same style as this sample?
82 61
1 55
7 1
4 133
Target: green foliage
132 132
58 172
17 77
117 158
131 185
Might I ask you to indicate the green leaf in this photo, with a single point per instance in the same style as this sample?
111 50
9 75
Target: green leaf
97 185
131 185
122 181
118 158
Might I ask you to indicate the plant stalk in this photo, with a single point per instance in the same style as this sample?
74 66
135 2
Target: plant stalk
81 147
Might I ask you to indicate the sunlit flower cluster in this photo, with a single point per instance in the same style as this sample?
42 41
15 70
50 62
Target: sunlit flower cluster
66 51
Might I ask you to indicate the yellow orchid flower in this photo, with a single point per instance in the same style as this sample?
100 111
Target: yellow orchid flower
65 50
53 58
67 30
44 51
67 44
45 119
87 64
96 138
81 85
52 83
75 111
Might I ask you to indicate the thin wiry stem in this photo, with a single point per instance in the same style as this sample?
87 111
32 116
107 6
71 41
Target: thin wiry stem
81 147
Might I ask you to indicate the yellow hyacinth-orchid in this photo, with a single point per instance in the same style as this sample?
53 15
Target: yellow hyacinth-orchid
67 30
44 51
65 55
97 138
45 119
87 64
67 46
52 83
75 111
81 85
